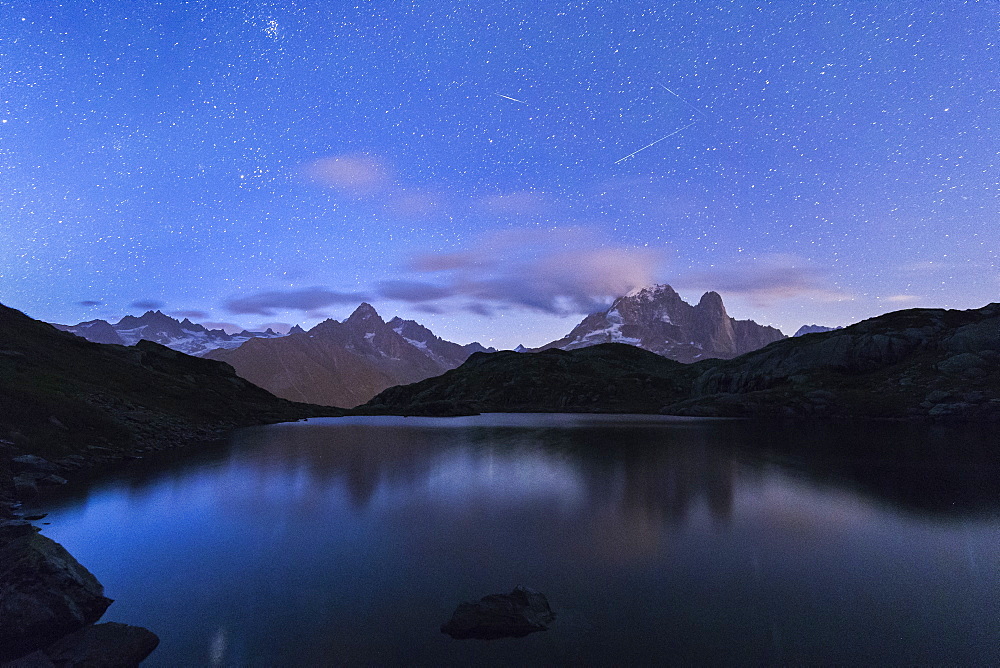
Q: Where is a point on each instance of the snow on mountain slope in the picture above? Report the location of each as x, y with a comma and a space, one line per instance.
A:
184, 336
657, 319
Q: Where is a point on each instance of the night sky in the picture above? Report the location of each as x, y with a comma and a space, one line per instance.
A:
494, 170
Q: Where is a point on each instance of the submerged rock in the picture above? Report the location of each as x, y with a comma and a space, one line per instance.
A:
512, 615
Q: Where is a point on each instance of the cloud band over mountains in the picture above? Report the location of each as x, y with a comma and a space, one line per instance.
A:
303, 299
557, 271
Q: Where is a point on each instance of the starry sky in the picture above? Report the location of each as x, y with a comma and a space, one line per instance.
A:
495, 170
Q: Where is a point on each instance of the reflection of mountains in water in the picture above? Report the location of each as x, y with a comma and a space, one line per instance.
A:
662, 472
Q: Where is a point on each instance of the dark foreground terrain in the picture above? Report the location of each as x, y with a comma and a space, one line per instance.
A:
913, 364
68, 405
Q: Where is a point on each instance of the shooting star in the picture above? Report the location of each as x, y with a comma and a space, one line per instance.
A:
683, 100
655, 142
512, 98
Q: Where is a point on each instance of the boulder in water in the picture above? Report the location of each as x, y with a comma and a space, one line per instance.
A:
512, 615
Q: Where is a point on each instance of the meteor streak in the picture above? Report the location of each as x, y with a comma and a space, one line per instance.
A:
683, 100
512, 98
655, 142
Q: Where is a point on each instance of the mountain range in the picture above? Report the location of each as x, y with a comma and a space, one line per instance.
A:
183, 335
918, 363
656, 319
345, 363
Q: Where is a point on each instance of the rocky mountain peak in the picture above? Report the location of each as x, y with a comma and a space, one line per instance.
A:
653, 292
712, 301
657, 319
364, 313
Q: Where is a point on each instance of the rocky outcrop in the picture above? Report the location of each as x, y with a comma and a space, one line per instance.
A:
914, 363
345, 363
44, 592
658, 320
108, 644
48, 600
512, 615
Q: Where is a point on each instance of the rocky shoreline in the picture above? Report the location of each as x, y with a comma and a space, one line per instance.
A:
49, 603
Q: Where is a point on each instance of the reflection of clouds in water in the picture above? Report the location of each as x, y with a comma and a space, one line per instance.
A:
619, 536
618, 488
507, 476
794, 508
217, 648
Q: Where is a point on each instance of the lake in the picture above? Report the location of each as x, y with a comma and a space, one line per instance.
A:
349, 541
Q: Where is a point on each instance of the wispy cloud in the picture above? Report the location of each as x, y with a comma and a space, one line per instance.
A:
517, 203
559, 271
903, 299
189, 314
353, 174
147, 304
412, 291
304, 299
767, 280
89, 302
925, 267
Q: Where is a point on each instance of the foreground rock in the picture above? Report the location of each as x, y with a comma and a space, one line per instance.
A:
44, 592
512, 615
48, 601
108, 644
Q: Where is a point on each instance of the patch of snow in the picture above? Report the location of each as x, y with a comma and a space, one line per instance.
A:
416, 344
131, 336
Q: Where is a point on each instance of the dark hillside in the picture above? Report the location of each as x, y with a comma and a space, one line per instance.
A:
918, 363
610, 377
61, 394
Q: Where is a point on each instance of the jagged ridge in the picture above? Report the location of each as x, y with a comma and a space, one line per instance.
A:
183, 335
346, 363
657, 319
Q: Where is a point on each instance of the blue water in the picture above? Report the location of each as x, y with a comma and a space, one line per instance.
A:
692, 542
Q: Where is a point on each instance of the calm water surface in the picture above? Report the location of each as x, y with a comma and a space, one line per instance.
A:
350, 541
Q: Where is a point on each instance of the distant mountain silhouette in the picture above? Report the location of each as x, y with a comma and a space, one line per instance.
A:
813, 329
345, 363
183, 335
657, 319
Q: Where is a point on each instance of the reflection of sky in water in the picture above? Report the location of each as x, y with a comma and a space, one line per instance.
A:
339, 541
